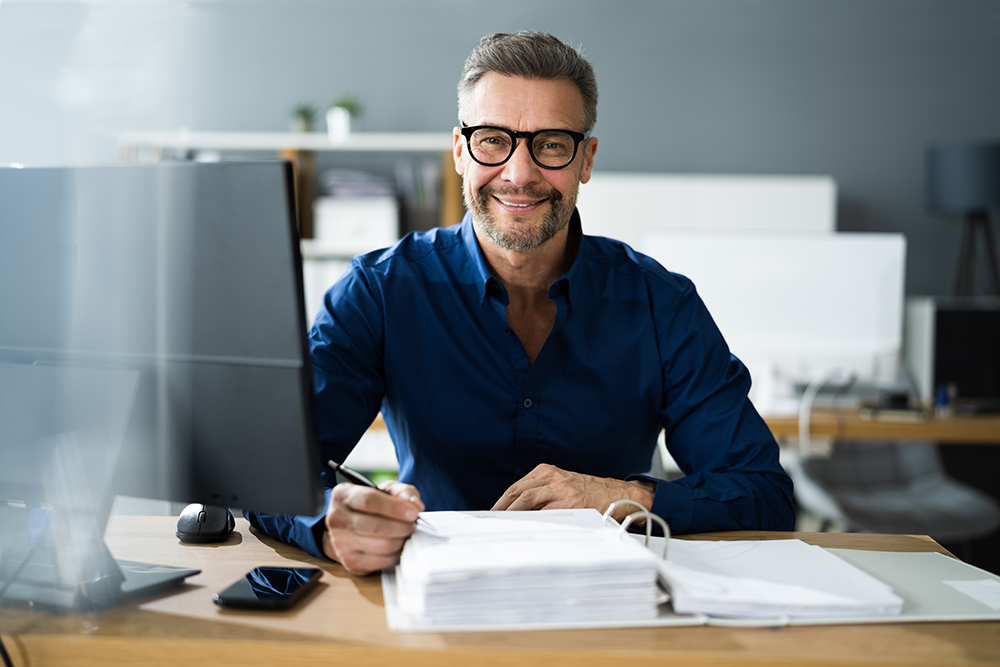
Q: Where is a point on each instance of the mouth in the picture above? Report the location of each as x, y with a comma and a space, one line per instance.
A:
519, 206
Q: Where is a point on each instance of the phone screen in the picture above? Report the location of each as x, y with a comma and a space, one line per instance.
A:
269, 587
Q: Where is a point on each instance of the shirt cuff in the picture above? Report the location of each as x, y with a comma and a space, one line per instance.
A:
672, 503
302, 531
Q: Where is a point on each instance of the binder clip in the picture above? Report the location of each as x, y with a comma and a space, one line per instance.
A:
644, 513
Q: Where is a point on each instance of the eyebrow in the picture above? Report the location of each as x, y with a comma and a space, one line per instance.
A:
543, 129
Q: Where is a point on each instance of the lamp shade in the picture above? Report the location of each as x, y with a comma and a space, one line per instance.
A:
963, 178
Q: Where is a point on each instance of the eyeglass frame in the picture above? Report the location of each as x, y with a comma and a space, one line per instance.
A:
529, 138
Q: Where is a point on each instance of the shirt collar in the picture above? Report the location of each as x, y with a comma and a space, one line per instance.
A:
481, 272
485, 278
570, 282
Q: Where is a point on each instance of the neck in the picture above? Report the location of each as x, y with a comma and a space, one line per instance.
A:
529, 274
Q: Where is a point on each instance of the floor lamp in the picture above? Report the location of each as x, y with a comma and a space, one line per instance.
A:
965, 179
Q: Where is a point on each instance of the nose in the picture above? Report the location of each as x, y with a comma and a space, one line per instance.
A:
520, 170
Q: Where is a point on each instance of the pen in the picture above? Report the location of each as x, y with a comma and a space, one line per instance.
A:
355, 477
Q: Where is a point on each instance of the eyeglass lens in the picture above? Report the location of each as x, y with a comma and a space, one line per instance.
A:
492, 146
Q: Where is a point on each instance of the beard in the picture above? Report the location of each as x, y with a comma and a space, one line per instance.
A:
520, 238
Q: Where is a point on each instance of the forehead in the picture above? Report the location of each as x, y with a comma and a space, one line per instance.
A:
525, 104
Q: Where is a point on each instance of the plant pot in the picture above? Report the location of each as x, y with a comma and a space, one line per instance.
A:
338, 124
299, 124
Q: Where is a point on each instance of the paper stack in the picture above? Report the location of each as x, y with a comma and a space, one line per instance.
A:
510, 568
771, 579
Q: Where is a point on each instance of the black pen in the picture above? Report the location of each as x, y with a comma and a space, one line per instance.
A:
355, 477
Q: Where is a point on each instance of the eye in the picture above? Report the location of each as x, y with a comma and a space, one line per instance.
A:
554, 144
491, 143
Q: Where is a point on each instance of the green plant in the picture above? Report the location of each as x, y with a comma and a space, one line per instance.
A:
348, 102
305, 112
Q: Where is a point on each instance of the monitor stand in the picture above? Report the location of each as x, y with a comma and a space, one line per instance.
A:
53, 578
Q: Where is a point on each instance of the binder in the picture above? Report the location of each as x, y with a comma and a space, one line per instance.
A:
927, 586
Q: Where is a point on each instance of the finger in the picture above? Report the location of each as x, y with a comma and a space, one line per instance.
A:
382, 547
537, 498
401, 490
533, 498
515, 491
365, 500
359, 555
377, 526
365, 564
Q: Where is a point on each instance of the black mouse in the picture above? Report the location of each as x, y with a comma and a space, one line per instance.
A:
201, 524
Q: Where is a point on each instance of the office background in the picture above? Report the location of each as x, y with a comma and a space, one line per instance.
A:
855, 89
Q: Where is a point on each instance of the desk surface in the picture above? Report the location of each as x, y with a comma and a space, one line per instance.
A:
344, 623
847, 425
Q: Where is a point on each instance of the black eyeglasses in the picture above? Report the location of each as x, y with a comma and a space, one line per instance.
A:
550, 149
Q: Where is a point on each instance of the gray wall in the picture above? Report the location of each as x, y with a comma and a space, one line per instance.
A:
852, 88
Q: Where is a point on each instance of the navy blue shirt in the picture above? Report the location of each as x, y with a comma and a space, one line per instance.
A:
419, 332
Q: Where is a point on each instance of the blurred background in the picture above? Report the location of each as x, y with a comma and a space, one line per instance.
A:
853, 89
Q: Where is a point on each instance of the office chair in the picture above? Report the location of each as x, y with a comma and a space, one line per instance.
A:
893, 487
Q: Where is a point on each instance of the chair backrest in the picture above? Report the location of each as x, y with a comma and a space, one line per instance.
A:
861, 466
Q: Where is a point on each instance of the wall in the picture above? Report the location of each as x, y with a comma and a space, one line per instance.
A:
852, 88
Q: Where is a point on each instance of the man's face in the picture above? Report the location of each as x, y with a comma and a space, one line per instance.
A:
519, 205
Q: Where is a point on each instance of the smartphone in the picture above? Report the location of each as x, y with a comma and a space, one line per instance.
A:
270, 588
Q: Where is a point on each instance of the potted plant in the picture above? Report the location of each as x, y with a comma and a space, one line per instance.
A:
302, 118
338, 117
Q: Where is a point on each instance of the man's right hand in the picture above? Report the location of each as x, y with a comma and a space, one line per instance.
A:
366, 529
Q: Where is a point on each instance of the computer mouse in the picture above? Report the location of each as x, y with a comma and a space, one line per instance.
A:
201, 524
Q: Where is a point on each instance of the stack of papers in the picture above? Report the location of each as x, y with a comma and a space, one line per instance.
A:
561, 566
560, 571
771, 579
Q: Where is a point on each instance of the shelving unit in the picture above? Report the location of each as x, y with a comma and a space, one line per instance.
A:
300, 149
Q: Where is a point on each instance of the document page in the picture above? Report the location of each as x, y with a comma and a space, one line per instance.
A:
770, 579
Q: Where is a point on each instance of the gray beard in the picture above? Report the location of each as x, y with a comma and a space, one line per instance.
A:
519, 240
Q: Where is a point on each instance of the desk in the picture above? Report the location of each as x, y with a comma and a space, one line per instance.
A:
344, 623
846, 425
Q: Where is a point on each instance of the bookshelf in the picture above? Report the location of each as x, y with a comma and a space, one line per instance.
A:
300, 149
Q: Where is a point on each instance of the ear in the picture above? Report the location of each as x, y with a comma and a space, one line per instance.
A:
456, 150
588, 159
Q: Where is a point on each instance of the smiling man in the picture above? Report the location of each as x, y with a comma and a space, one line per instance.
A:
519, 363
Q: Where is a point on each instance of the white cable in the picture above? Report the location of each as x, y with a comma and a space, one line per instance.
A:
805, 410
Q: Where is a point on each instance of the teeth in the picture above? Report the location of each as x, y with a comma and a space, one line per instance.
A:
509, 203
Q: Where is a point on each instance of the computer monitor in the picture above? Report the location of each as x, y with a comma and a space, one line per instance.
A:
797, 307
153, 344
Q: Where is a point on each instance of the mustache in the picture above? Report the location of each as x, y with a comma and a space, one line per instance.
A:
552, 195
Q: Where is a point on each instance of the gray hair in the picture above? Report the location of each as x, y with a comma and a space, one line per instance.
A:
530, 54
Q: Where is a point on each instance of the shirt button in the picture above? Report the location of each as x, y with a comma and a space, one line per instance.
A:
527, 403
509, 331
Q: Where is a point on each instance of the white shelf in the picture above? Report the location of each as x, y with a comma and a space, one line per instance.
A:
312, 141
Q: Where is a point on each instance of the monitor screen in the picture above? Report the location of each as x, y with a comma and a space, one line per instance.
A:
797, 307
163, 303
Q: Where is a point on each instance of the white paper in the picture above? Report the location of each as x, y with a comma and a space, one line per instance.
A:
986, 591
517, 567
773, 578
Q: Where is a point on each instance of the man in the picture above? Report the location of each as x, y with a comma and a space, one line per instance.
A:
520, 364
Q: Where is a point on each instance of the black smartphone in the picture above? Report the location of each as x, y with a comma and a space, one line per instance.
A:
270, 588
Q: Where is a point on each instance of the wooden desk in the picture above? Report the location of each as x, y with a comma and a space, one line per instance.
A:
343, 623
846, 425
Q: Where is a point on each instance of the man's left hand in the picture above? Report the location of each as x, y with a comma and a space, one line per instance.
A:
549, 487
